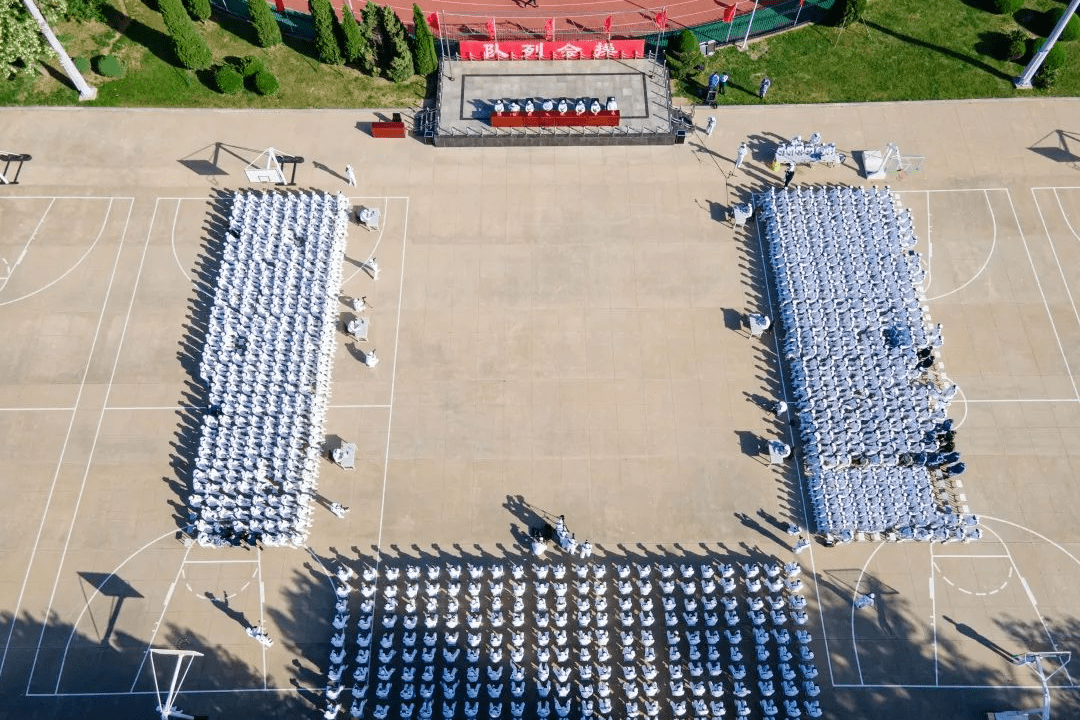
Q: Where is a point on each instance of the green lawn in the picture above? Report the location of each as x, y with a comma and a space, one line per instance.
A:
153, 78
905, 50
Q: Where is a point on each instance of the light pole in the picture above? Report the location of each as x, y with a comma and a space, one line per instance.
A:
86, 92
1024, 81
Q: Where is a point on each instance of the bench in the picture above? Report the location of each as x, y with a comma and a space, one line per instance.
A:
390, 129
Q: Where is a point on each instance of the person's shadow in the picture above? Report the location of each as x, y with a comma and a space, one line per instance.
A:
970, 632
222, 604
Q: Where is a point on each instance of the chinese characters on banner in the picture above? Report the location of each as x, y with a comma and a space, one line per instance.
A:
570, 50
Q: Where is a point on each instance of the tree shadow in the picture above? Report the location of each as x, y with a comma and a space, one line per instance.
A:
157, 42
949, 52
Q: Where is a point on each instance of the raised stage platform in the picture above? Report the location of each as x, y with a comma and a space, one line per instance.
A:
468, 89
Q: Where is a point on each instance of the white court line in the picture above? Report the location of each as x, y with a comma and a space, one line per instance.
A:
963, 397
67, 197
262, 606
1031, 596
97, 591
929, 249
989, 255
93, 447
1053, 248
950, 190
897, 686
291, 689
139, 408
1025, 400
63, 447
220, 562
390, 414
393, 381
172, 241
933, 614
36, 409
382, 228
105, 221
1046, 305
12, 268
966, 557
854, 595
798, 472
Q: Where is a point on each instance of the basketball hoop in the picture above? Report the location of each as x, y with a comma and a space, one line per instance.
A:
265, 168
184, 658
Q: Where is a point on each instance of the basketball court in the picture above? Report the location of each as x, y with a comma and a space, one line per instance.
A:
559, 333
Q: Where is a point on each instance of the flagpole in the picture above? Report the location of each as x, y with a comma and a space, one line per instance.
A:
798, 12
749, 25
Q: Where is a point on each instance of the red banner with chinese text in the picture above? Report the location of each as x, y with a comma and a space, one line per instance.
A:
574, 50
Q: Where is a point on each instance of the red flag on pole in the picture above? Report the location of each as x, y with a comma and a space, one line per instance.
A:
491, 28
549, 29
729, 12
607, 27
661, 19
433, 22
280, 5
802, 2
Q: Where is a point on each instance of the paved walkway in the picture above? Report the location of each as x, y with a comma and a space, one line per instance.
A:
559, 332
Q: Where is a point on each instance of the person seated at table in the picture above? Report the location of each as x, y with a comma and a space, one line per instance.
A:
529, 107
548, 105
595, 107
563, 106
612, 106
499, 106
514, 107
579, 108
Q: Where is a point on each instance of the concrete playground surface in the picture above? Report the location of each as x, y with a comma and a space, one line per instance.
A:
560, 333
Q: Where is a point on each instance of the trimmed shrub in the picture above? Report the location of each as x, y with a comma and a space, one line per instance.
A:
326, 42
1004, 7
249, 65
425, 60
81, 64
400, 68
108, 66
1017, 45
1072, 28
191, 48
684, 55
267, 31
83, 10
266, 83
1047, 73
228, 80
198, 9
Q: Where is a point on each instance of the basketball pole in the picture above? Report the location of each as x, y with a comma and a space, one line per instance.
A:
166, 707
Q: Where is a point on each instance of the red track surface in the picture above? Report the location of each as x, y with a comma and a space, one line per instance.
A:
573, 18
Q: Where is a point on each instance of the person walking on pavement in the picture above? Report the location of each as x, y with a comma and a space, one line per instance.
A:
789, 174
740, 155
765, 84
350, 176
724, 77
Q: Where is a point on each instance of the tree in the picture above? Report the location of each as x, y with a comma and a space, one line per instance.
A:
326, 42
371, 27
190, 46
22, 46
199, 9
845, 12
424, 57
391, 23
684, 55
353, 40
401, 61
267, 31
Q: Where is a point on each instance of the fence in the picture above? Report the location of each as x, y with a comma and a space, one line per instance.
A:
708, 25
